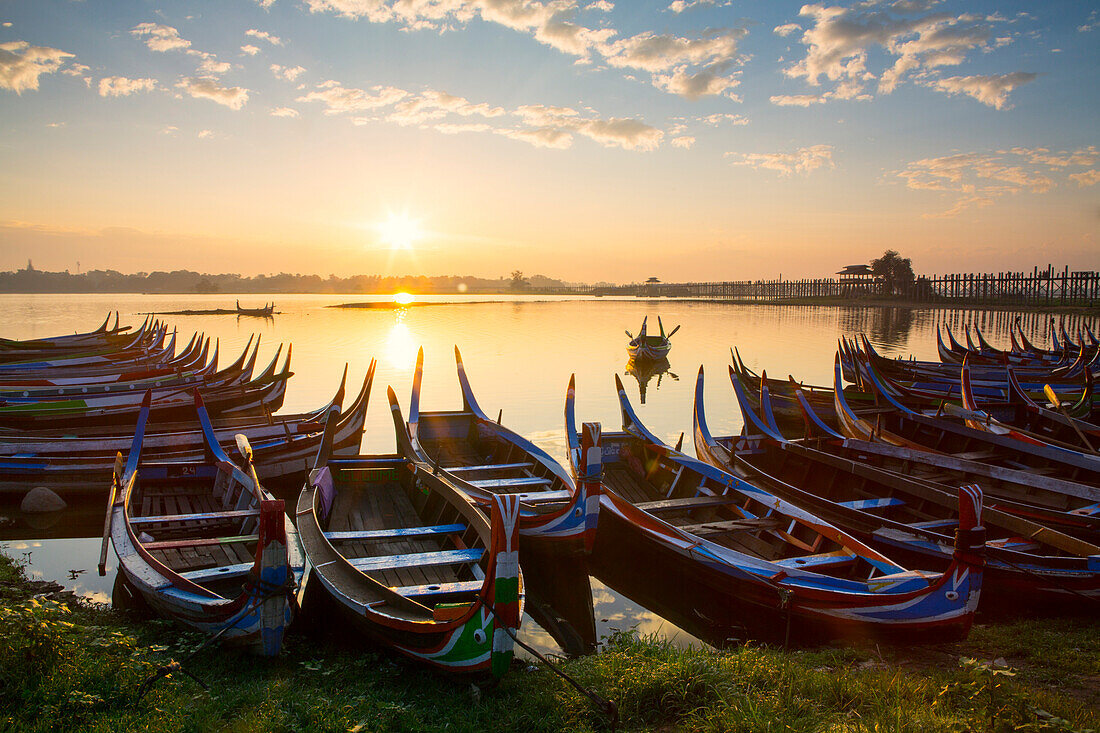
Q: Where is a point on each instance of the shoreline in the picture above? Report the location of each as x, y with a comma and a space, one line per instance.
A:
91, 666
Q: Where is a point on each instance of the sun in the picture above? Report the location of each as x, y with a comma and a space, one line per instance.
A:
400, 231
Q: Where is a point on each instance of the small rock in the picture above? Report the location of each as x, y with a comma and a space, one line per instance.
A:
40, 500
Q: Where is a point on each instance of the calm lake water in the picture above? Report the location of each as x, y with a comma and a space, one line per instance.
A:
519, 353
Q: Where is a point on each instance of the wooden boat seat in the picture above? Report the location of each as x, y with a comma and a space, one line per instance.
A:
189, 518
935, 524
199, 542
418, 559
508, 483
544, 497
489, 467
976, 455
389, 534
751, 524
880, 503
439, 589
691, 502
826, 559
224, 572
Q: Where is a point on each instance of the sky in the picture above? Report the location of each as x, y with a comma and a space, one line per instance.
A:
587, 140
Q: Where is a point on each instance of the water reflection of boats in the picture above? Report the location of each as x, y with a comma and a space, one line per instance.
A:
645, 369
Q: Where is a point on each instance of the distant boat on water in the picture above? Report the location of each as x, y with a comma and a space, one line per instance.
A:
650, 348
266, 312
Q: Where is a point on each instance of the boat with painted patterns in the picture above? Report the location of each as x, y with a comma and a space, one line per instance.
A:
1028, 565
484, 458
412, 562
186, 544
762, 563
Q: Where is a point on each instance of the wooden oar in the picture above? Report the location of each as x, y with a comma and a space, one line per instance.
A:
116, 484
245, 449
672, 332
1073, 423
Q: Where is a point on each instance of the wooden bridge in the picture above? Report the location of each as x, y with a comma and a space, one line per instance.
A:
1038, 287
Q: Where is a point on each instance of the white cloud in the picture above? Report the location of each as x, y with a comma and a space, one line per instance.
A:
991, 90
684, 141
541, 125
205, 134
75, 69
624, 133
265, 4
339, 100
205, 88
842, 41
160, 37
264, 35
211, 65
21, 64
120, 86
725, 118
250, 50
803, 160
786, 29
288, 73
1091, 24
689, 66
55, 125
1086, 178
7, 24
798, 100
284, 112
540, 137
979, 178
603, 6
169, 130
679, 6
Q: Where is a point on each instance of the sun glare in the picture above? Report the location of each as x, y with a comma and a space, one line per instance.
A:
400, 231
402, 298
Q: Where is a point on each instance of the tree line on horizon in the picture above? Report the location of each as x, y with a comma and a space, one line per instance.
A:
31, 280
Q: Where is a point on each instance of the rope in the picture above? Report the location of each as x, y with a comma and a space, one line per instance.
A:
607, 707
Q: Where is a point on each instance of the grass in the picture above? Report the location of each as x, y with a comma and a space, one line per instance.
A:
83, 668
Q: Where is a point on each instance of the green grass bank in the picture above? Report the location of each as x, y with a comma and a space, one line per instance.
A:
66, 666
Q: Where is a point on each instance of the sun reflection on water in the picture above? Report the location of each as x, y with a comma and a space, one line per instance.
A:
400, 347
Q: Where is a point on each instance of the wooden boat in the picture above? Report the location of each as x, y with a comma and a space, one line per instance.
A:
186, 543
412, 562
238, 396
776, 569
105, 335
650, 347
1062, 482
144, 347
266, 312
283, 449
1027, 564
483, 458
1025, 420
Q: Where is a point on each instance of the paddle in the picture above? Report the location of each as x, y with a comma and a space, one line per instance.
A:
672, 332
116, 486
1049, 392
246, 452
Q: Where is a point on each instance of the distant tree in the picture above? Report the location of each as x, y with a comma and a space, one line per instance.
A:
895, 271
205, 285
519, 282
